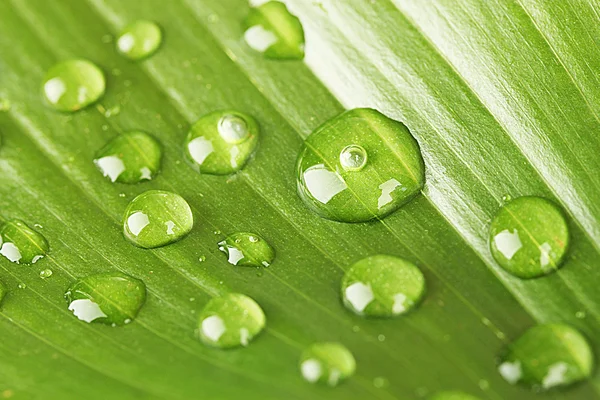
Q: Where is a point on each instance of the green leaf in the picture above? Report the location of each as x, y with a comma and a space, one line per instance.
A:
501, 96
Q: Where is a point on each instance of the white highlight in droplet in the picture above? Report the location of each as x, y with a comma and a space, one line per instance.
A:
511, 372
311, 370
233, 153
86, 310
10, 251
387, 188
399, 307
323, 184
234, 255
244, 336
136, 222
111, 166
200, 148
556, 375
126, 42
213, 327
508, 243
259, 39
170, 226
359, 295
545, 250
145, 173
334, 377
37, 258
54, 89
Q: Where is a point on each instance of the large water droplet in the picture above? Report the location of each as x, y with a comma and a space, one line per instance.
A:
359, 166
130, 158
21, 244
156, 218
247, 250
548, 356
109, 298
231, 320
382, 286
74, 84
139, 39
328, 363
273, 31
529, 237
452, 396
221, 142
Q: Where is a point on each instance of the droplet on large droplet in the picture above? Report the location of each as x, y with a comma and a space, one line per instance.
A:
328, 363
247, 250
547, 356
452, 396
382, 286
529, 237
74, 84
139, 39
130, 158
359, 166
230, 320
221, 143
21, 244
110, 298
156, 218
273, 31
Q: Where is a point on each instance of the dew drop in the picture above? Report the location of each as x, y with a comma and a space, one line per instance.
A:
139, 40
21, 244
273, 31
130, 158
231, 320
46, 273
336, 181
221, 143
529, 237
547, 356
327, 363
5, 105
156, 218
247, 250
452, 396
110, 298
382, 286
74, 84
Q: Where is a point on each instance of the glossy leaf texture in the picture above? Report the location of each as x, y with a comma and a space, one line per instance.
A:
501, 95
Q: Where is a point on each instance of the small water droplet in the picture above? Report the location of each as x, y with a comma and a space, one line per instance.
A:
74, 84
4, 105
529, 237
221, 143
453, 395
547, 356
580, 314
139, 39
131, 157
380, 382
110, 298
382, 286
22, 286
484, 384
248, 250
45, 273
21, 244
213, 18
356, 328
231, 320
202, 258
156, 218
381, 338
273, 31
112, 111
366, 190
327, 363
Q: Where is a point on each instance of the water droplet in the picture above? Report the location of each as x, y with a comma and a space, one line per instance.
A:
231, 320
529, 237
21, 244
115, 110
393, 175
382, 286
547, 356
580, 314
45, 273
328, 363
130, 158
111, 298
381, 338
220, 143
139, 40
22, 286
202, 258
380, 382
156, 218
74, 84
273, 31
4, 105
247, 250
452, 396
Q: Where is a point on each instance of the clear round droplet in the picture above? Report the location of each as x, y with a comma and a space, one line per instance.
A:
393, 175
222, 142
139, 39
529, 237
273, 31
382, 286
353, 157
21, 244
156, 218
547, 356
245, 249
111, 298
46, 273
72, 85
131, 157
328, 363
231, 320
